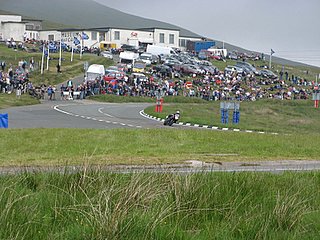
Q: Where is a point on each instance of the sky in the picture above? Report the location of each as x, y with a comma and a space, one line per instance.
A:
289, 27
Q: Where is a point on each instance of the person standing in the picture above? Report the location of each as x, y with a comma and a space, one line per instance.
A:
58, 68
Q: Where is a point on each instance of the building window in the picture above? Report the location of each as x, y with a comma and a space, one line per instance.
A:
101, 36
94, 36
171, 38
51, 37
29, 27
116, 35
161, 38
182, 43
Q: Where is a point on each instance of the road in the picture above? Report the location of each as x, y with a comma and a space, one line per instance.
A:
80, 114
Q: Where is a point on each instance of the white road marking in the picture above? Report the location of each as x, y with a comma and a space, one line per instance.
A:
106, 114
94, 119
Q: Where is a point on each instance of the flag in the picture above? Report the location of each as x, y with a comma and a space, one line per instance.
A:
76, 41
84, 36
52, 46
272, 52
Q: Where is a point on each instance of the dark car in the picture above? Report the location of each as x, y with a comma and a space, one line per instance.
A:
126, 47
268, 74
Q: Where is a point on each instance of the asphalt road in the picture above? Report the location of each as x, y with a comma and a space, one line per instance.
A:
80, 114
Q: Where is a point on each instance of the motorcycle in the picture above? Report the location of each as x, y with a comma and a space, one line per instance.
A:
172, 118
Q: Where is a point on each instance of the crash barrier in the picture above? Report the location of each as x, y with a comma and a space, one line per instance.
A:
224, 108
159, 104
4, 120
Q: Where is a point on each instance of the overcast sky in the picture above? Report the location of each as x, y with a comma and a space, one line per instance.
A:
289, 27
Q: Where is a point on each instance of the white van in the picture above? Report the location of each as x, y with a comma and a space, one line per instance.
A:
160, 50
146, 58
128, 58
95, 71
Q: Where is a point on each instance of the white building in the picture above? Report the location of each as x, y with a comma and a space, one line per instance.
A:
14, 27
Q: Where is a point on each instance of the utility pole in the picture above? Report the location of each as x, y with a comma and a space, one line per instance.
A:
271, 52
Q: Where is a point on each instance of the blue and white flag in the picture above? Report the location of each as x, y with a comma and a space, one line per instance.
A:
76, 41
52, 46
84, 36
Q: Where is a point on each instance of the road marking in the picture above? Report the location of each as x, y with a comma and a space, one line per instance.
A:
106, 114
56, 107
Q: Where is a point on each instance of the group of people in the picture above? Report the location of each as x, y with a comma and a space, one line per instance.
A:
218, 86
14, 79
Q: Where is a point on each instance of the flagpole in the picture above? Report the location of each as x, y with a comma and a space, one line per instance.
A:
60, 49
81, 45
270, 59
71, 52
42, 59
48, 57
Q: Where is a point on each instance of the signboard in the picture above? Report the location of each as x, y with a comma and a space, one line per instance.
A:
68, 37
230, 105
4, 120
225, 106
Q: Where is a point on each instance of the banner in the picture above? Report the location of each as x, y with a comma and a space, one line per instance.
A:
4, 120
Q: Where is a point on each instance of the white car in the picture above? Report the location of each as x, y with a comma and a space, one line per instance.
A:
106, 54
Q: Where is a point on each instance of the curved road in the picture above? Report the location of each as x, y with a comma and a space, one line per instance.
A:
80, 114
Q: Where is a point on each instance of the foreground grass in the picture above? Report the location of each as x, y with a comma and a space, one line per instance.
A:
10, 100
97, 205
124, 146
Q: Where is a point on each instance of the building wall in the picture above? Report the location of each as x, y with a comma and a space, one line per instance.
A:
166, 34
33, 25
44, 35
183, 42
10, 18
8, 29
13, 30
32, 35
128, 36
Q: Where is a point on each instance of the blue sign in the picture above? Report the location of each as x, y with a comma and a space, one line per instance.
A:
4, 120
236, 117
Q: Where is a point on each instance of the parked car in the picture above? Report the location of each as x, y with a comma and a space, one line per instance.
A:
107, 54
268, 74
126, 47
231, 69
139, 67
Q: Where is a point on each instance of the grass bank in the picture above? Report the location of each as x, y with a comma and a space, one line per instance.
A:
51, 77
97, 205
298, 116
127, 99
124, 146
10, 100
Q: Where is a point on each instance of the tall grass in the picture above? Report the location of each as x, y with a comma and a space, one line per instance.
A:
91, 204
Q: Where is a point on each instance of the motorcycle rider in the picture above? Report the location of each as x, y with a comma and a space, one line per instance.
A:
172, 118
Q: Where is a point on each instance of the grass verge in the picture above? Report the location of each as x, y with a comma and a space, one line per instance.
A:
124, 146
289, 117
10, 100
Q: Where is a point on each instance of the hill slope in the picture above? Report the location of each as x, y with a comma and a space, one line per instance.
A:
84, 13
